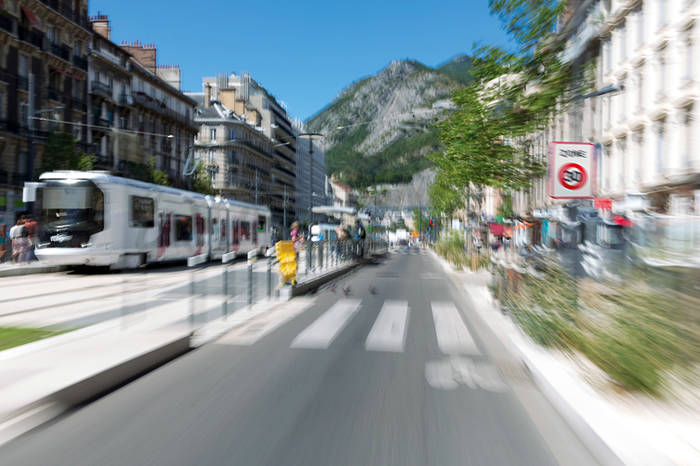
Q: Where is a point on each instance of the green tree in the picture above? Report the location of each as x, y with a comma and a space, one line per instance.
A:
61, 154
157, 176
201, 182
445, 197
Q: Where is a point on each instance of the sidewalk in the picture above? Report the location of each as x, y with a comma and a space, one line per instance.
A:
638, 430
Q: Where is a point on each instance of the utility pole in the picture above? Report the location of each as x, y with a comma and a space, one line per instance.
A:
311, 176
284, 214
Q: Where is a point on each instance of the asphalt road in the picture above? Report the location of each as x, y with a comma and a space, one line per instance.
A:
390, 367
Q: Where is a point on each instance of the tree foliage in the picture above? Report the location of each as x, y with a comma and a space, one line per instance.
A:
201, 182
515, 94
445, 197
62, 154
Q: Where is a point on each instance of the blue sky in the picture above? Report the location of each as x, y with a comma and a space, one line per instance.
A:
303, 51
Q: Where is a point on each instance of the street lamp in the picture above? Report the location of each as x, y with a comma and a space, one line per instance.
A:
310, 137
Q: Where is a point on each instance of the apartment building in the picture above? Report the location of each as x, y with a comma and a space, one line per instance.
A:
254, 104
236, 155
312, 186
43, 66
137, 111
642, 114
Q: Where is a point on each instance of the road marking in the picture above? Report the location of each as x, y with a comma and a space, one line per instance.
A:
448, 374
430, 276
452, 334
321, 333
389, 330
251, 332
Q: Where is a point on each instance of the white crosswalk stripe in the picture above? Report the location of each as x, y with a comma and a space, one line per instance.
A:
389, 330
452, 333
321, 333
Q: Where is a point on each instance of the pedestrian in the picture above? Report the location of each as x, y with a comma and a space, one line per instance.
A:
295, 234
4, 237
18, 235
33, 237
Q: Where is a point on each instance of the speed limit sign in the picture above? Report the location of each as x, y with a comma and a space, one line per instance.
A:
571, 166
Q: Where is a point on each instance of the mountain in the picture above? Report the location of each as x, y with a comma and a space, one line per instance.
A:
379, 128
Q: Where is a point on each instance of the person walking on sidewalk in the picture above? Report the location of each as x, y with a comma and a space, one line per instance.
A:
33, 237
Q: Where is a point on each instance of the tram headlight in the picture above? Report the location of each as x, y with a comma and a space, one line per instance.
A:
86, 245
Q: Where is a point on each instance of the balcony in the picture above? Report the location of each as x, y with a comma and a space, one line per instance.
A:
61, 51
36, 38
80, 62
102, 89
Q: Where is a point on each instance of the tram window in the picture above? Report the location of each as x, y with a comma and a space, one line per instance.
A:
183, 228
236, 231
142, 212
245, 231
223, 229
261, 224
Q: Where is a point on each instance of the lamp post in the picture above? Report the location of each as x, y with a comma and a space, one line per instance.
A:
310, 137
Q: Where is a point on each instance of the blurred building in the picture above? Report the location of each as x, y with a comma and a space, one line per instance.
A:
236, 154
642, 116
255, 105
43, 66
312, 184
137, 111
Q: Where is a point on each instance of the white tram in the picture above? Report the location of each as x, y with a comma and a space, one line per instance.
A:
94, 218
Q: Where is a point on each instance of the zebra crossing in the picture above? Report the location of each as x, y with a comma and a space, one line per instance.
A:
387, 334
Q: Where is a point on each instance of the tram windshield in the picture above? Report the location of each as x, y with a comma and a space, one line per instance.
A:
71, 211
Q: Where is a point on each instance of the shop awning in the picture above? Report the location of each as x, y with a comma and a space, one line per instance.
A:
30, 16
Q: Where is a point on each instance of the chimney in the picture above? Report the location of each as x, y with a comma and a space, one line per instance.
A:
207, 95
144, 54
100, 24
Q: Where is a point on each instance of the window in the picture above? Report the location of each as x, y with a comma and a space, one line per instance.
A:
261, 223
689, 55
245, 231
183, 228
236, 232
660, 147
2, 104
623, 43
212, 134
688, 129
640, 91
24, 113
662, 13
23, 66
640, 26
223, 229
142, 212
231, 134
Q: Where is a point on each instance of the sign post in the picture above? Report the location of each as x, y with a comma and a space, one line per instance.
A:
571, 170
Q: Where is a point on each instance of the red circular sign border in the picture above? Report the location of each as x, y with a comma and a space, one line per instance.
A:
563, 170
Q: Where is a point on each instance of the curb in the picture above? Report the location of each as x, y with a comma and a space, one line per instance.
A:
29, 270
313, 284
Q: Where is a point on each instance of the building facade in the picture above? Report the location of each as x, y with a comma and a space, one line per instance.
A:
255, 105
43, 70
136, 112
643, 115
312, 186
236, 155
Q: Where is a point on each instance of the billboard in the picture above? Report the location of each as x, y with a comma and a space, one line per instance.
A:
571, 170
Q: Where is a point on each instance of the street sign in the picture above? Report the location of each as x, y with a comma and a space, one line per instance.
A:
571, 170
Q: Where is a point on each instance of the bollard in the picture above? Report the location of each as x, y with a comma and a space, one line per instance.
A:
224, 306
250, 284
320, 256
269, 277
192, 298
308, 258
